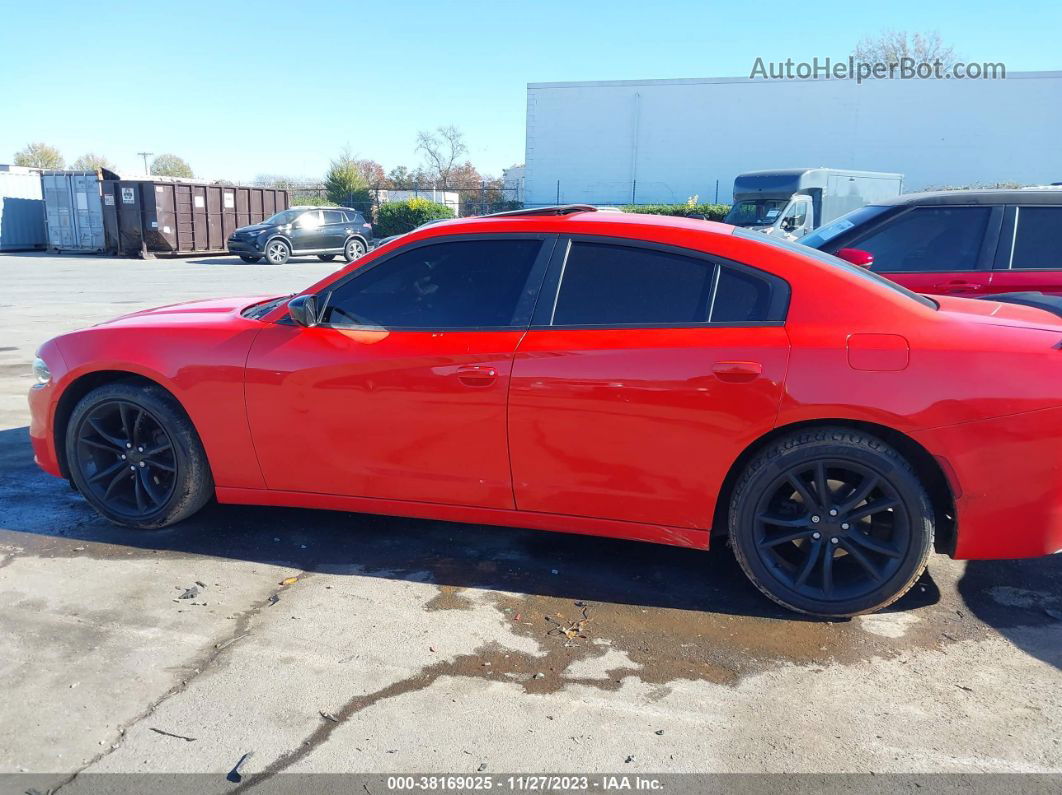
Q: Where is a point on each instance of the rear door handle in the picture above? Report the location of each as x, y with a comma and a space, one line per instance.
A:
737, 371
956, 285
477, 374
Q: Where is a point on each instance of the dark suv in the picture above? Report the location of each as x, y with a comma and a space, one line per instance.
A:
961, 242
324, 231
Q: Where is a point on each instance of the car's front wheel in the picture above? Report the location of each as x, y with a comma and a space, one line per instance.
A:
277, 252
832, 522
353, 250
135, 456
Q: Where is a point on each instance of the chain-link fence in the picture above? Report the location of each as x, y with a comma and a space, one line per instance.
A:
462, 199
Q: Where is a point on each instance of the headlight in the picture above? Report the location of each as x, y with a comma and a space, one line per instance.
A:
41, 371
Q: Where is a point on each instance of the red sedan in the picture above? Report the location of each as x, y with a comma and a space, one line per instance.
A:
612, 374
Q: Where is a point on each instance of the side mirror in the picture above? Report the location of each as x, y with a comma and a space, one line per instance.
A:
857, 256
303, 310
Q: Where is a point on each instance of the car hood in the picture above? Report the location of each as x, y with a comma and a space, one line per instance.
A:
999, 313
208, 310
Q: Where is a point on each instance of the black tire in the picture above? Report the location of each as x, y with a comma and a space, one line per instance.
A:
140, 426
245, 258
843, 554
277, 252
326, 257
354, 249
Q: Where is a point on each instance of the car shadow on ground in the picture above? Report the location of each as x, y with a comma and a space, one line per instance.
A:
446, 554
223, 259
1021, 599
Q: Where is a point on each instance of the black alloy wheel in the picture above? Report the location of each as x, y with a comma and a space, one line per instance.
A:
134, 455
832, 523
831, 530
126, 458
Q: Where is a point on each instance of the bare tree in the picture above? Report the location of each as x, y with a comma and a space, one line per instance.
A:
890, 46
443, 150
39, 155
90, 161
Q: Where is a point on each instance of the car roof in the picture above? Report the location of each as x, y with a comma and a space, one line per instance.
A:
557, 219
1039, 195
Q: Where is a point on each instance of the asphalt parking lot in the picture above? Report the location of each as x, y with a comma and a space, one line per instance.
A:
426, 646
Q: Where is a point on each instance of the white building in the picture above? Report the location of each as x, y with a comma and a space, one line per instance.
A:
513, 183
643, 141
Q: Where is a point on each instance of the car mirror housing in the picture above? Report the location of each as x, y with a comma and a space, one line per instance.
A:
857, 256
303, 310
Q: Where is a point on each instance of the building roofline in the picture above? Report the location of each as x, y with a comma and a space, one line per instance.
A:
680, 81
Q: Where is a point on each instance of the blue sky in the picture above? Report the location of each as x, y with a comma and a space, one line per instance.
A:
240, 89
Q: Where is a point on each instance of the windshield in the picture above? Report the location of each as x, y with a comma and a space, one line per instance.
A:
755, 212
829, 259
286, 217
825, 234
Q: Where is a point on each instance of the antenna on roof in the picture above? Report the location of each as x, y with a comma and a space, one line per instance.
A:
557, 209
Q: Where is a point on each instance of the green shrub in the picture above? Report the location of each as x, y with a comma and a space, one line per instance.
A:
713, 212
396, 218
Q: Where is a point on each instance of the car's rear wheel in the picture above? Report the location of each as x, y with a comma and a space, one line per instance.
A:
277, 252
354, 249
326, 257
246, 258
832, 522
135, 456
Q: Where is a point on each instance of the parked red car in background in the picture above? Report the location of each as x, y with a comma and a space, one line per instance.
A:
959, 242
612, 374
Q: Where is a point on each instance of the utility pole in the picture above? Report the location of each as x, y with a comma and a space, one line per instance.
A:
145, 155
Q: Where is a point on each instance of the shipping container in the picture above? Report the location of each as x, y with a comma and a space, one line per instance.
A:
73, 211
154, 216
21, 209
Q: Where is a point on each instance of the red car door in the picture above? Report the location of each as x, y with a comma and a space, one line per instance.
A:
1030, 251
944, 250
640, 383
400, 392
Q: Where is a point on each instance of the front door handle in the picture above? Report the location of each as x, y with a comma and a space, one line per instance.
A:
735, 372
477, 375
959, 285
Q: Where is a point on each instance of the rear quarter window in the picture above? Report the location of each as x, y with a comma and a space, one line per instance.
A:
605, 284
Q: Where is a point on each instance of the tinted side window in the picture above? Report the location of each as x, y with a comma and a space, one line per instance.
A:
740, 297
608, 284
928, 239
334, 217
612, 284
1038, 242
462, 284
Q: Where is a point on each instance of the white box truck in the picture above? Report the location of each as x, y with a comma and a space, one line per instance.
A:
792, 202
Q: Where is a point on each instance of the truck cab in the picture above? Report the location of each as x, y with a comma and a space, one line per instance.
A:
791, 203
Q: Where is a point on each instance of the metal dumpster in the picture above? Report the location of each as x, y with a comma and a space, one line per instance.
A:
170, 216
21, 209
74, 211
149, 216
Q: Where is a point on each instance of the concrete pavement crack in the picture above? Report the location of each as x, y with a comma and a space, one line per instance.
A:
199, 665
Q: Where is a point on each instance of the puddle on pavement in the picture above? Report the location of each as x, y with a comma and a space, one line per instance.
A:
665, 644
